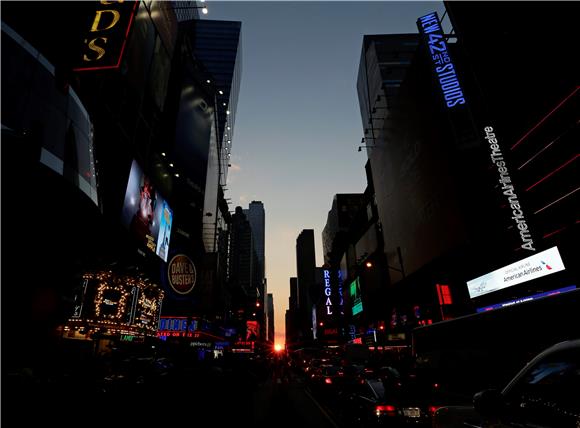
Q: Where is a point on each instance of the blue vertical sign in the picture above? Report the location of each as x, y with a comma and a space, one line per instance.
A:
327, 292
430, 26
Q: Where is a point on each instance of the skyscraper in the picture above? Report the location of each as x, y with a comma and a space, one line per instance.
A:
270, 309
305, 269
256, 216
241, 257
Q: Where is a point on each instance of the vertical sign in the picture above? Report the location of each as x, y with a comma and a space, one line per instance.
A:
327, 292
106, 36
430, 26
79, 299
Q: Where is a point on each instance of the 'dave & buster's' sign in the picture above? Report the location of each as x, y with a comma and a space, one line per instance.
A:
181, 274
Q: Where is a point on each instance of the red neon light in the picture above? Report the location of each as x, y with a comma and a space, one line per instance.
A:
553, 172
127, 33
558, 200
533, 157
547, 235
544, 118
443, 294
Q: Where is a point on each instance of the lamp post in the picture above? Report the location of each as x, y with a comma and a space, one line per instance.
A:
191, 6
363, 141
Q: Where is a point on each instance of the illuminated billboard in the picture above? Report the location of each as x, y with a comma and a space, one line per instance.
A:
430, 27
106, 36
541, 264
355, 297
146, 214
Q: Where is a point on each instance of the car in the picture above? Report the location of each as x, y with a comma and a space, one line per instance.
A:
545, 393
405, 401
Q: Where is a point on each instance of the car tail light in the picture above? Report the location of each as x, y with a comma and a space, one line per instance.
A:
433, 409
385, 409
328, 380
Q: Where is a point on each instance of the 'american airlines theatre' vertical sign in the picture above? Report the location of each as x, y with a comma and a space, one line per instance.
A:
106, 37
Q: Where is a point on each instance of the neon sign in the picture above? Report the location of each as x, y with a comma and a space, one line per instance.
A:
527, 299
105, 42
327, 292
430, 26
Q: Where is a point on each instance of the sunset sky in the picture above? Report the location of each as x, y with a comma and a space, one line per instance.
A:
298, 121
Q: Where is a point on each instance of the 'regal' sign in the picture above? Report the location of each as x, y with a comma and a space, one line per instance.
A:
106, 36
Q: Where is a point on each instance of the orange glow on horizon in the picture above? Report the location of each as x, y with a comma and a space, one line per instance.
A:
278, 347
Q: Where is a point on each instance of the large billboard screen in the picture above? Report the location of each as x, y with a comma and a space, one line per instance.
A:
146, 214
355, 297
536, 266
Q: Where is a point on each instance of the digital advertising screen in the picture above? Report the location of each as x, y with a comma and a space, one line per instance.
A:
146, 214
355, 297
541, 264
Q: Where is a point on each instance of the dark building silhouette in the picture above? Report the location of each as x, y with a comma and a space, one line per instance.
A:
305, 268
292, 331
270, 308
432, 126
79, 127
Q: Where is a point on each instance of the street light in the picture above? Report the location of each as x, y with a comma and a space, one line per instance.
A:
363, 141
203, 8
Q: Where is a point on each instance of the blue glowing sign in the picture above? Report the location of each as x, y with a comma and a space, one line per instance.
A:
327, 292
430, 26
527, 298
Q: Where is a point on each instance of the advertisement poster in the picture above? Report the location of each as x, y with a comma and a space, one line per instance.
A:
146, 214
541, 264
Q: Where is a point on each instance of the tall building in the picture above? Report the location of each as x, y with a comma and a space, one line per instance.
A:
335, 235
126, 139
465, 177
225, 69
292, 333
186, 10
536, 134
382, 68
305, 270
270, 308
257, 218
242, 257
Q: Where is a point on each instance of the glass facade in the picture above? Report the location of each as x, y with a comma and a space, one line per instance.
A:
218, 45
33, 103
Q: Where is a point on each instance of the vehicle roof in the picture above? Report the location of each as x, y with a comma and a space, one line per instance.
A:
556, 348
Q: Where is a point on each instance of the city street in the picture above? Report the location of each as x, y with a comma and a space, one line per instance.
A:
207, 393
327, 214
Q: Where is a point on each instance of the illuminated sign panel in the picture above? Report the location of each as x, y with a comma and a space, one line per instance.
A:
327, 292
177, 326
355, 297
527, 298
508, 189
146, 214
430, 26
541, 264
106, 37
181, 274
